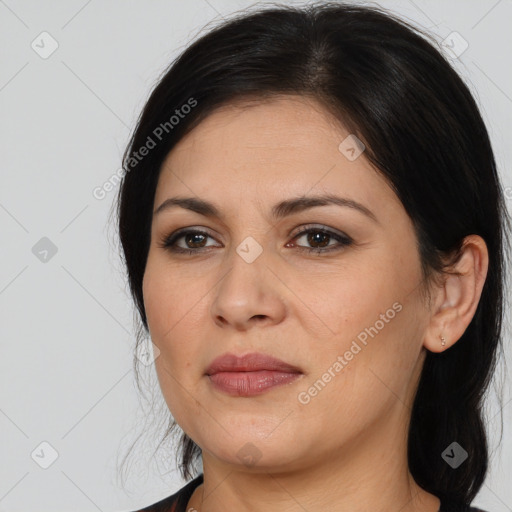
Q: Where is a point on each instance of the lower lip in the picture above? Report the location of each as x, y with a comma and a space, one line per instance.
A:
250, 383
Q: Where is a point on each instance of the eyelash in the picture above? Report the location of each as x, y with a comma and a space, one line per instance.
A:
169, 242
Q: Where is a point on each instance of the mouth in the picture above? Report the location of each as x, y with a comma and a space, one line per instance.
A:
251, 374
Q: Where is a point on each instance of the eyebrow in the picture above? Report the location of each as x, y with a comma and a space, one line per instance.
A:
280, 210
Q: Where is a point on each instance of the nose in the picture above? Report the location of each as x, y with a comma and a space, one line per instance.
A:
249, 293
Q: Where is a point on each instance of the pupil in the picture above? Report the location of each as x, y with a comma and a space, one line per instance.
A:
190, 239
314, 238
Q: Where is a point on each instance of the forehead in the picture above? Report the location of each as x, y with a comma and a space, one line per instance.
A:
285, 125
286, 146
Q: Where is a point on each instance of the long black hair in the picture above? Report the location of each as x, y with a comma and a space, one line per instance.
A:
391, 87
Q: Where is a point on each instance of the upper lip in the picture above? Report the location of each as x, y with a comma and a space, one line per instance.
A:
249, 363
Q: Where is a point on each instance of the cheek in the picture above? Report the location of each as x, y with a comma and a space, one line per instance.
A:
179, 392
167, 299
349, 299
374, 318
354, 383
172, 313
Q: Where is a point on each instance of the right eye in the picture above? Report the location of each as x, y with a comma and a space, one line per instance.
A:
194, 241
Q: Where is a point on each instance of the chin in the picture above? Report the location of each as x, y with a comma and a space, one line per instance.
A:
252, 451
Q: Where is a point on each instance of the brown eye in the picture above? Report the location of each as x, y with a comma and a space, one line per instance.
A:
194, 241
319, 239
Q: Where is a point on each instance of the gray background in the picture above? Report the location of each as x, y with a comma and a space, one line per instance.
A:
66, 326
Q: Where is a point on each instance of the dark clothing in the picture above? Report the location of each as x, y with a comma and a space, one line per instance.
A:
178, 501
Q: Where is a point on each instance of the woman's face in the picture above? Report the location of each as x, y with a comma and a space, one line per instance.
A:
351, 319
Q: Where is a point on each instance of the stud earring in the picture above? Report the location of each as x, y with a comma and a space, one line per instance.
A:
443, 341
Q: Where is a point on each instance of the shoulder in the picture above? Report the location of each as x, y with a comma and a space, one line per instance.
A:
177, 502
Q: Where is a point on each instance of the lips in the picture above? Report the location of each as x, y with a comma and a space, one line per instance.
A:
249, 363
251, 374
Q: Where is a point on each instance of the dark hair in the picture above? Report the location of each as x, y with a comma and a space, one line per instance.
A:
384, 82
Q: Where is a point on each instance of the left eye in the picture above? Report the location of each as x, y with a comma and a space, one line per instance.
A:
315, 236
320, 238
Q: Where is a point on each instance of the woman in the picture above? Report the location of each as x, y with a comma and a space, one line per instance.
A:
314, 233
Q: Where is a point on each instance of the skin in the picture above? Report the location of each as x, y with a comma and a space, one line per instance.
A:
346, 448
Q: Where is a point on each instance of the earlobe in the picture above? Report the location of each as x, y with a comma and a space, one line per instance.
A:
458, 296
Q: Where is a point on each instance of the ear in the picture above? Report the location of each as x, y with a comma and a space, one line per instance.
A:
457, 299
